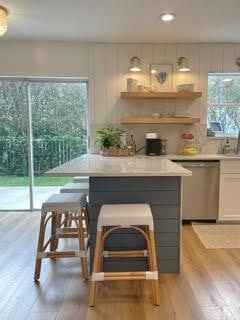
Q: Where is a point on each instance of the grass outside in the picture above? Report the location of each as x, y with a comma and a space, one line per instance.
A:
14, 181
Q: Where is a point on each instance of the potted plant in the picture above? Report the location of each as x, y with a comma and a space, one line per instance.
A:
110, 139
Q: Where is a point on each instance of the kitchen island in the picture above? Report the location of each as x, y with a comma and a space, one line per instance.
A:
137, 179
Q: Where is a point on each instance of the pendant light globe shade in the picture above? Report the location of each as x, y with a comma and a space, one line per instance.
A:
135, 64
3, 20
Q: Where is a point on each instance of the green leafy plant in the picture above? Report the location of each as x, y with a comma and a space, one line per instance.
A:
109, 136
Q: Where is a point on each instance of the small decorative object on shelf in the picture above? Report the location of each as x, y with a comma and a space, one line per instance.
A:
161, 77
185, 87
131, 84
112, 142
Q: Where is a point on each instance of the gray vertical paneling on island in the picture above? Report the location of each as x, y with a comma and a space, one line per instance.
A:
163, 194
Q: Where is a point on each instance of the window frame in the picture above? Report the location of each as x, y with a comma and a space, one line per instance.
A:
219, 135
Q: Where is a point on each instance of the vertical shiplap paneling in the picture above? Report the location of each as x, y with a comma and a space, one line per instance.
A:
109, 70
146, 55
159, 57
146, 58
229, 58
135, 50
216, 64
182, 106
205, 66
100, 84
159, 53
193, 107
123, 73
112, 83
183, 51
236, 55
171, 58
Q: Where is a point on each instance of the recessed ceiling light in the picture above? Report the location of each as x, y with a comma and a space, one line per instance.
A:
167, 17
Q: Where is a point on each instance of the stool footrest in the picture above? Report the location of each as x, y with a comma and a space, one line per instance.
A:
138, 275
61, 254
125, 254
68, 233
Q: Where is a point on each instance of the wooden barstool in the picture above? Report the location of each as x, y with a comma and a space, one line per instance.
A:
78, 188
117, 216
53, 209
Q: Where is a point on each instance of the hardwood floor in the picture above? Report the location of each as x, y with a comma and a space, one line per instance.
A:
207, 288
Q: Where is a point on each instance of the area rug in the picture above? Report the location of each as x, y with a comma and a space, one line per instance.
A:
218, 236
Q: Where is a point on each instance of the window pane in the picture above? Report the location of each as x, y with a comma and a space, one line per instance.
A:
59, 125
224, 101
14, 180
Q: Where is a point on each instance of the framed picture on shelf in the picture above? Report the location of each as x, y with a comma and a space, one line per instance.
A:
161, 77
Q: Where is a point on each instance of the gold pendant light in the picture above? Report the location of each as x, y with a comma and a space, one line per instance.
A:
3, 20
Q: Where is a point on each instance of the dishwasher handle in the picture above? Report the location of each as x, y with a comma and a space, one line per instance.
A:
198, 165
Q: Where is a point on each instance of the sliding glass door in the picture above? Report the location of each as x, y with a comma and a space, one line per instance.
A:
59, 130
14, 143
44, 125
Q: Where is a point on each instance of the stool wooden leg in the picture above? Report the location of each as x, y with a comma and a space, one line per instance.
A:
150, 264
86, 216
66, 223
152, 250
82, 247
53, 243
41, 237
96, 266
101, 252
58, 225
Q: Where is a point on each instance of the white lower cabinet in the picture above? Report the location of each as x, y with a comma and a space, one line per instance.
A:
229, 191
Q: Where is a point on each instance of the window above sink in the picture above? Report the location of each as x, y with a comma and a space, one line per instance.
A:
224, 104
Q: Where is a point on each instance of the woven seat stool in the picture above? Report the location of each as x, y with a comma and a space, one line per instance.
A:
71, 206
115, 216
75, 187
81, 179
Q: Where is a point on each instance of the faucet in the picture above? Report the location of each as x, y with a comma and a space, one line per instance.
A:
238, 144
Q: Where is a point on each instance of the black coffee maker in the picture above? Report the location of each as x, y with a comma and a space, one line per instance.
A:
154, 145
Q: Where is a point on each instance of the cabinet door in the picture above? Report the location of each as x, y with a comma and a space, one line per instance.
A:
229, 197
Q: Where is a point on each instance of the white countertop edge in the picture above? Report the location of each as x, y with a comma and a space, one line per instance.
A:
137, 166
203, 157
85, 165
117, 174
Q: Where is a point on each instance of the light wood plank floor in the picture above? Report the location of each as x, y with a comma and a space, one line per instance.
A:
207, 288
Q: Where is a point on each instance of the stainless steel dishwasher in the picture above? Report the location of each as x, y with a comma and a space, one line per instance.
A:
200, 192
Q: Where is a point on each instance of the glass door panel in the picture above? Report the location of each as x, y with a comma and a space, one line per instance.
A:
14, 139
59, 131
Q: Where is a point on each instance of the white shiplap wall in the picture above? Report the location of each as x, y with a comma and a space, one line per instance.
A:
109, 71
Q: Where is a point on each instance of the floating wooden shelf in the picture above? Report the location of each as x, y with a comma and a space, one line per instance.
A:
163, 120
161, 95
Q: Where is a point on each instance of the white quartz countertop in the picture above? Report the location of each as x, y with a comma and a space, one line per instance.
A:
96, 165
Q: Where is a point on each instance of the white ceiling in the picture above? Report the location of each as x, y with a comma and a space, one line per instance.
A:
124, 20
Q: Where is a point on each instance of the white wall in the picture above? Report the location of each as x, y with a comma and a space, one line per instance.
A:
43, 59
106, 66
